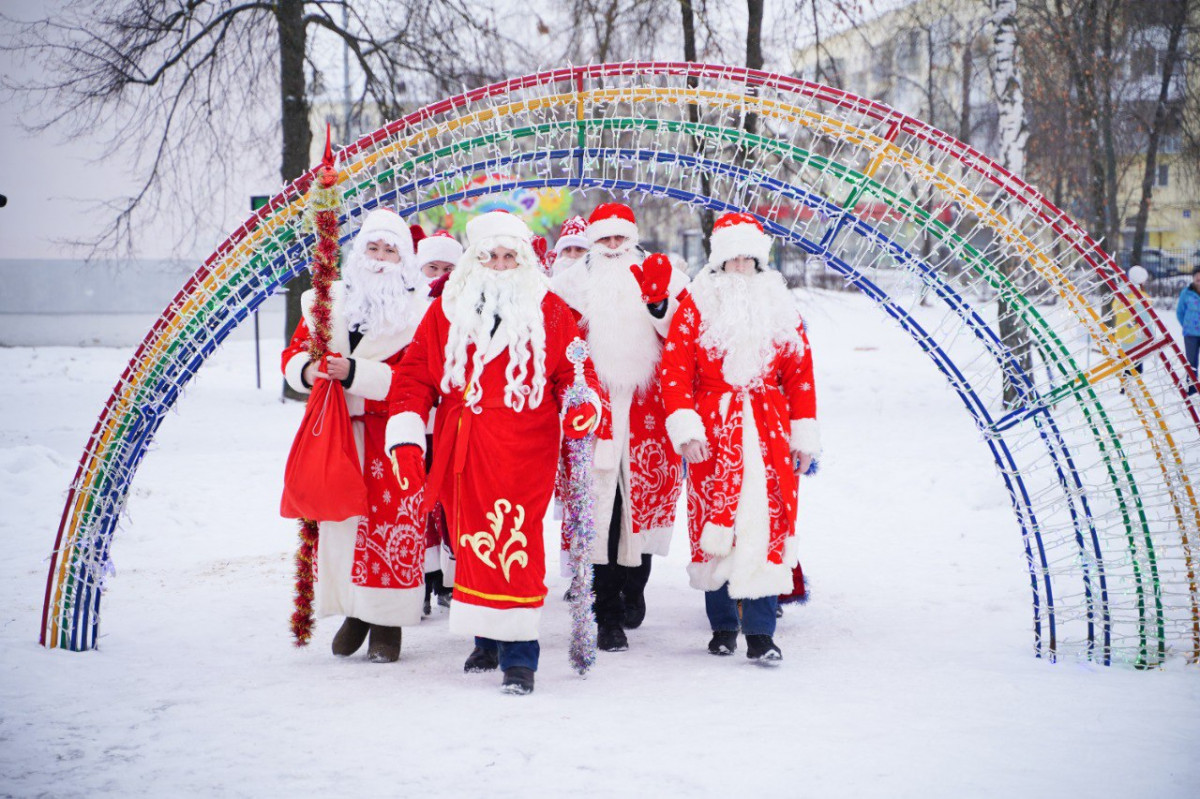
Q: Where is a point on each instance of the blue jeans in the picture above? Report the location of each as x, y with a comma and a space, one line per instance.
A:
1191, 347
513, 653
758, 615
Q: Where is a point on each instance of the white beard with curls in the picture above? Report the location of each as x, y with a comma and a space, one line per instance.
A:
745, 319
379, 297
474, 296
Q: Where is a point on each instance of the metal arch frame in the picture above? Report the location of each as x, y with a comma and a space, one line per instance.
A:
202, 342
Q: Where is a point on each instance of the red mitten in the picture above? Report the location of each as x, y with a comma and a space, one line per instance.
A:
580, 420
408, 465
653, 277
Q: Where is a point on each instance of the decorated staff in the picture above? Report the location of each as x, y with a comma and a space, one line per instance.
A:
370, 548
580, 505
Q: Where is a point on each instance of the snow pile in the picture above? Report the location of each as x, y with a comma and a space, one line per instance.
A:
909, 673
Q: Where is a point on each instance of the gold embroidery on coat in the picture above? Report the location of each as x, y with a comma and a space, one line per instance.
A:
484, 542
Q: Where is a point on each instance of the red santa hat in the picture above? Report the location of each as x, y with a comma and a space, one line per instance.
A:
737, 235
384, 224
573, 234
497, 223
612, 219
441, 246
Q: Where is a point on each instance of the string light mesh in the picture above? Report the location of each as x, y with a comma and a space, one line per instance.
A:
1096, 440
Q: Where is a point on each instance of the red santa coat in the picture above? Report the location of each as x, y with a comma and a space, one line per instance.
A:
742, 499
633, 452
369, 567
493, 470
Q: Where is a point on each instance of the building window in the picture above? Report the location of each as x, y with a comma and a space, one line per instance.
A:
1164, 174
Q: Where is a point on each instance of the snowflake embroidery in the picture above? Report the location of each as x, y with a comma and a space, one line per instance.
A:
650, 422
806, 386
670, 346
374, 509
689, 315
387, 497
377, 469
386, 580
375, 567
685, 330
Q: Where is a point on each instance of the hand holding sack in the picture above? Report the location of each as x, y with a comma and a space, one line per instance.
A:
408, 465
323, 480
653, 277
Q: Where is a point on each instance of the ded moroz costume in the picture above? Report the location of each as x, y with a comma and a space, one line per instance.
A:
737, 378
491, 354
624, 300
369, 567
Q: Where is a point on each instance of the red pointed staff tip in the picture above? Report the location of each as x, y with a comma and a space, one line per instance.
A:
328, 173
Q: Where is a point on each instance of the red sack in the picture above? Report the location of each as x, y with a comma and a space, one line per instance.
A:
323, 480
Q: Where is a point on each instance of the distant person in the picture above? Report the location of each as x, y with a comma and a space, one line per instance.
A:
437, 255
571, 246
1188, 313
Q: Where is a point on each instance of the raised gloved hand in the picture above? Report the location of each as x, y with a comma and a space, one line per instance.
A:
408, 465
653, 277
580, 420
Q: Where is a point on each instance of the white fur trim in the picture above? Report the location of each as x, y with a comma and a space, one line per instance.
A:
405, 428
613, 226
571, 240
438, 248
497, 223
685, 425
335, 594
806, 437
433, 559
293, 371
655, 541
739, 240
372, 379
605, 456
716, 540
384, 224
510, 624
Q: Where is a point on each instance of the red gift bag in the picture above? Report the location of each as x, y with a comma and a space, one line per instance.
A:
323, 480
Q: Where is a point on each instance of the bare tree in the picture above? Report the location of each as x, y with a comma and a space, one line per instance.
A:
175, 83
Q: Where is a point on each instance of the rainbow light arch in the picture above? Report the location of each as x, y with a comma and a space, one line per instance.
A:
1098, 459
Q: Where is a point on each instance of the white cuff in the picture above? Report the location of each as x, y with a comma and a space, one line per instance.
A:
372, 379
294, 371
405, 428
806, 437
685, 425
716, 540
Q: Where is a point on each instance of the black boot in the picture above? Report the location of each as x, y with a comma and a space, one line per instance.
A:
761, 649
724, 642
518, 681
611, 638
635, 610
482, 659
349, 638
385, 644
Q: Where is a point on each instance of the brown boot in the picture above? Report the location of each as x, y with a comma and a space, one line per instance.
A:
385, 644
350, 637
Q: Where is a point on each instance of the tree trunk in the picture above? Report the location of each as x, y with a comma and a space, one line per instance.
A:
754, 54
689, 54
297, 135
1013, 133
1175, 31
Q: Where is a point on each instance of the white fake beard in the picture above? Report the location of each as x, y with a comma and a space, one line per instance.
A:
745, 319
472, 303
380, 303
562, 264
624, 345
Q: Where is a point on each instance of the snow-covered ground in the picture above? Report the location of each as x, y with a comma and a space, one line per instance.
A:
909, 673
